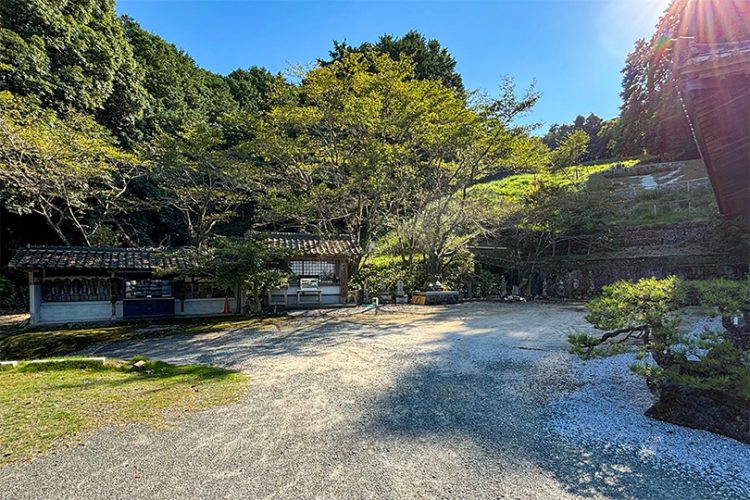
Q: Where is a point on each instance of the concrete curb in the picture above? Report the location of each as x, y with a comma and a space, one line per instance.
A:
63, 360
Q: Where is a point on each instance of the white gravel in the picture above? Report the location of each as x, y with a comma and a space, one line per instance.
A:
607, 412
437, 402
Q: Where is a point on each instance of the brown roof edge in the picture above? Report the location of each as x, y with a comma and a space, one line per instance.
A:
99, 258
311, 244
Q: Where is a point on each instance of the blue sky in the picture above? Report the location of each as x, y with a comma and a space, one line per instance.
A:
573, 49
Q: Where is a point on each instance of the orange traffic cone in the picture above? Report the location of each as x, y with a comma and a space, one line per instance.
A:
226, 305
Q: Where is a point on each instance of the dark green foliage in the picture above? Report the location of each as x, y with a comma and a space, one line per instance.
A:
382, 274
713, 361
69, 171
199, 178
486, 283
604, 136
252, 88
178, 90
725, 297
381, 277
432, 62
13, 297
73, 56
247, 262
652, 116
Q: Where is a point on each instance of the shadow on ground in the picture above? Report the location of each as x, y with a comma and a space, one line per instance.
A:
499, 406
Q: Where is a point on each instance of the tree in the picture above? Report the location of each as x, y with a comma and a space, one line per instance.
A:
367, 145
245, 262
603, 144
652, 116
570, 150
179, 92
67, 171
199, 178
431, 61
610, 139
252, 88
73, 57
702, 380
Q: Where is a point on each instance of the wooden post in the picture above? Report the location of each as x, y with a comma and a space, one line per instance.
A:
113, 295
344, 280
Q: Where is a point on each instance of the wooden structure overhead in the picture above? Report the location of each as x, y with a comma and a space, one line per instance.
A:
714, 78
715, 83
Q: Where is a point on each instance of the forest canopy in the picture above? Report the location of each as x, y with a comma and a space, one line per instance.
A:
111, 135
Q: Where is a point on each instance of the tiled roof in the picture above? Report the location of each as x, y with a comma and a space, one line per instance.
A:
100, 258
315, 246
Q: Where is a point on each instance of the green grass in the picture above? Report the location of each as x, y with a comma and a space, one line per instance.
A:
647, 208
19, 344
46, 406
667, 207
516, 186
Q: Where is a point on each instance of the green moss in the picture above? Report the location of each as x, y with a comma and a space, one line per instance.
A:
48, 405
32, 344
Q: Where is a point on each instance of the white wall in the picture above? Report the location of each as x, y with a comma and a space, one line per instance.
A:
330, 294
100, 311
76, 312
203, 307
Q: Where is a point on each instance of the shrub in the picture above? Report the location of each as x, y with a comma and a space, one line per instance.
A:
382, 274
647, 310
13, 296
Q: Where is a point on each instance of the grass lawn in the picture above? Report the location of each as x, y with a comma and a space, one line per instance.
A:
17, 343
44, 406
514, 187
648, 207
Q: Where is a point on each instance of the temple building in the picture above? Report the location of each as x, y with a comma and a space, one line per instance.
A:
712, 63
100, 284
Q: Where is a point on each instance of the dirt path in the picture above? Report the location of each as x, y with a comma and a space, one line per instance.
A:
451, 403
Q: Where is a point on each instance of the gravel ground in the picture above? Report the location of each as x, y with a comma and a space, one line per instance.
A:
456, 402
607, 412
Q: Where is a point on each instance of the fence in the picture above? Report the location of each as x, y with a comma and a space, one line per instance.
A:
689, 186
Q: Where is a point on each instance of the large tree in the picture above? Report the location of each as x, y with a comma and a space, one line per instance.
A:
653, 119
252, 88
179, 91
431, 60
73, 56
366, 145
603, 140
199, 177
67, 171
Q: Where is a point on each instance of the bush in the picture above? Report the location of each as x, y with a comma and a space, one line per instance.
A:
710, 361
13, 296
702, 380
382, 274
627, 304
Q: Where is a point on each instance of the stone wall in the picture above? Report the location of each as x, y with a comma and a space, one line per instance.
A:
585, 278
690, 250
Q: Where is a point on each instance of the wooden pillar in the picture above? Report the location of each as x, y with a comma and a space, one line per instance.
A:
113, 295
344, 280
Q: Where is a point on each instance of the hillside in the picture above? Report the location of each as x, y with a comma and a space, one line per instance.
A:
643, 193
609, 221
